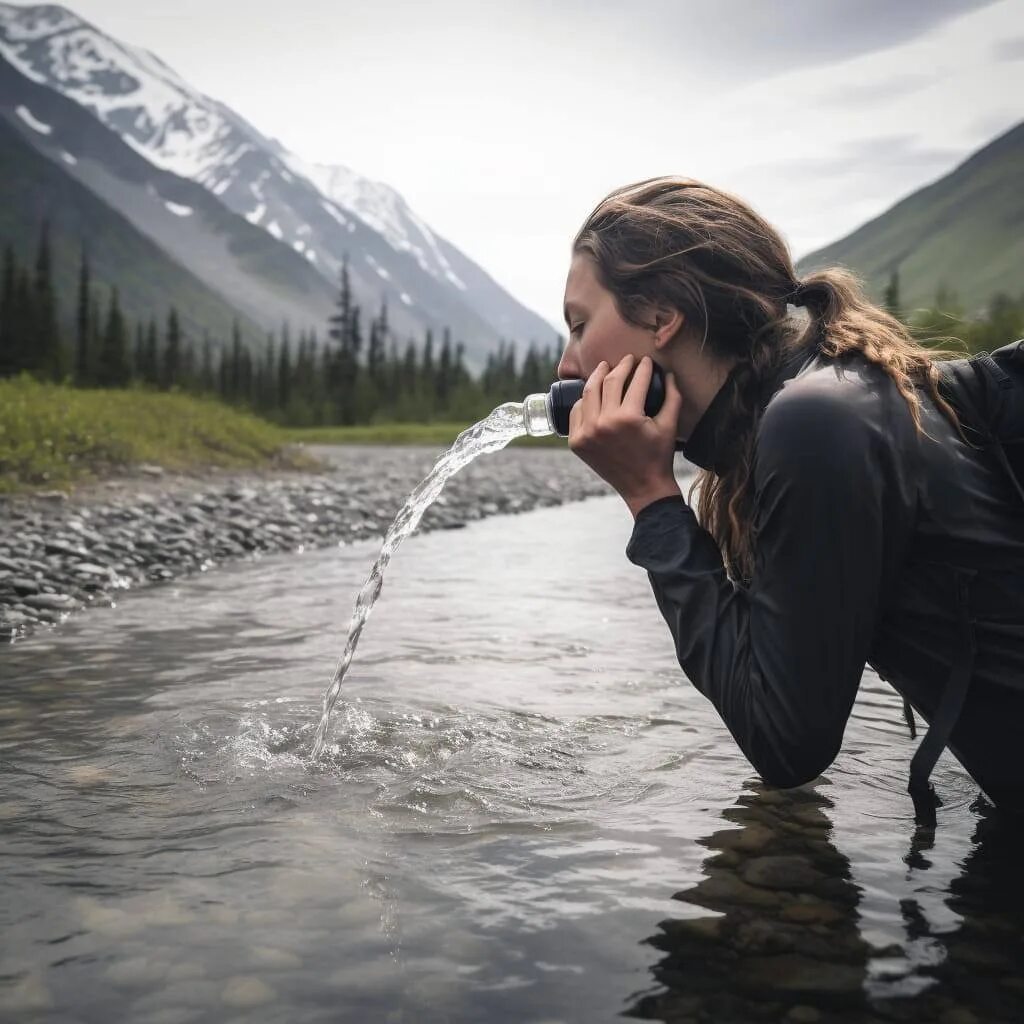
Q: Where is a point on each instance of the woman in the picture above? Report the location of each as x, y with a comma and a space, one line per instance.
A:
842, 517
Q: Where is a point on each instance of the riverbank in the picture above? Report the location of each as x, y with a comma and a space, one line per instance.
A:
60, 553
55, 436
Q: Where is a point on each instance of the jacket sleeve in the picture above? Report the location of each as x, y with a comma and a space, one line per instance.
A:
781, 661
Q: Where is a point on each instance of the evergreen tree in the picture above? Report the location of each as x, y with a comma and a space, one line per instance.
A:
83, 324
891, 298
149, 370
207, 377
269, 399
532, 376
171, 370
376, 351
235, 375
49, 359
445, 380
284, 374
10, 361
139, 352
23, 322
187, 378
112, 365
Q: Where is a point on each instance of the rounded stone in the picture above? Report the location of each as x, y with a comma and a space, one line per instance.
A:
780, 872
246, 990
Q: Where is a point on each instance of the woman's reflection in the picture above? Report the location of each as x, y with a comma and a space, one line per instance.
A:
784, 942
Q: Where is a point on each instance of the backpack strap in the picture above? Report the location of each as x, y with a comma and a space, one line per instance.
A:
948, 711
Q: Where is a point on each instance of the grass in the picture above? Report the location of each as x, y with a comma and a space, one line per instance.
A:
53, 436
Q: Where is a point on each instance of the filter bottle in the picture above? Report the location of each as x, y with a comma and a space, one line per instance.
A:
549, 413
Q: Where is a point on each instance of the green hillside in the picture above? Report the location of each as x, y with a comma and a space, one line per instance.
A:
33, 188
964, 231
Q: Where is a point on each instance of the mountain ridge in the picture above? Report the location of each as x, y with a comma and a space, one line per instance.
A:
976, 210
176, 127
261, 278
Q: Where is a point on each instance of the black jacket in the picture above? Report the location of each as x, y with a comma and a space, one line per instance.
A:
873, 544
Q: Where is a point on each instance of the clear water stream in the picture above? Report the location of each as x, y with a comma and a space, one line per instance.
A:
490, 434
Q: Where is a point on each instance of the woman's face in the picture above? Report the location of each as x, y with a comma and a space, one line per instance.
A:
596, 330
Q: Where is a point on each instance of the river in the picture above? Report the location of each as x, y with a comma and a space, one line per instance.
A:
526, 814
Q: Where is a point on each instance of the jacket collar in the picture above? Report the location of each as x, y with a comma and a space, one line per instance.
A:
710, 444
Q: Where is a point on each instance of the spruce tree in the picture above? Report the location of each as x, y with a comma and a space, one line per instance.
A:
444, 371
9, 361
23, 322
891, 299
149, 371
139, 353
206, 383
112, 365
83, 323
269, 399
49, 358
171, 369
236, 370
284, 374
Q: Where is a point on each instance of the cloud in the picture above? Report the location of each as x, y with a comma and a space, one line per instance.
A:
746, 40
873, 158
1007, 50
868, 93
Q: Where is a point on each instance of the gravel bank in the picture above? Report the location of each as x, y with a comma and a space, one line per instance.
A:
58, 555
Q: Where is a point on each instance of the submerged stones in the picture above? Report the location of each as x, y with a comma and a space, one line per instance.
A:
59, 555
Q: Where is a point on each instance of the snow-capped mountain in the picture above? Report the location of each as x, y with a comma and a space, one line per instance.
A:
324, 214
381, 207
266, 281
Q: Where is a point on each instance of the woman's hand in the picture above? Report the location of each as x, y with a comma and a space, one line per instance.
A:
610, 432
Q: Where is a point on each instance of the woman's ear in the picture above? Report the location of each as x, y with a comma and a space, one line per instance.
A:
668, 323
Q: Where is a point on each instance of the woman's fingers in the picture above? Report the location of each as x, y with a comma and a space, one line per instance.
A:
590, 403
615, 383
636, 393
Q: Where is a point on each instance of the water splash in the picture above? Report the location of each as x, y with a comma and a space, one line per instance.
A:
491, 434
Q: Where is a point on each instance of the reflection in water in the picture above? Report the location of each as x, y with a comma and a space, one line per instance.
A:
981, 966
785, 943
783, 940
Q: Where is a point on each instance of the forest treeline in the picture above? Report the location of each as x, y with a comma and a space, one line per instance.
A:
357, 373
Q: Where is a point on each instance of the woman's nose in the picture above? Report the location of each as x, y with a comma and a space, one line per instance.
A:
567, 368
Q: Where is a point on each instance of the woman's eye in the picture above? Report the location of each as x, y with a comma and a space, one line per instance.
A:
576, 328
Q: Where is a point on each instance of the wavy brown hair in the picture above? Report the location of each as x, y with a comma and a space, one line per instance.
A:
680, 243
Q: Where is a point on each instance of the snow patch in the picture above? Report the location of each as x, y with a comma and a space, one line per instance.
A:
33, 122
299, 246
275, 230
453, 277
255, 216
311, 256
68, 158
405, 298
332, 210
221, 187
381, 272
177, 209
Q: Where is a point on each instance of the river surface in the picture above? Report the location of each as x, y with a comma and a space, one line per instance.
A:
525, 814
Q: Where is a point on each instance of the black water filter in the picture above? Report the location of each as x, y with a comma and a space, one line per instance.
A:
549, 414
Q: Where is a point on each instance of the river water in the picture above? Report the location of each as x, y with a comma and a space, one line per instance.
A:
524, 813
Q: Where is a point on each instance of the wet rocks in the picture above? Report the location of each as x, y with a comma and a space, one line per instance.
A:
58, 555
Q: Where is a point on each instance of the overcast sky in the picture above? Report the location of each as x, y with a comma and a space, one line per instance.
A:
503, 122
